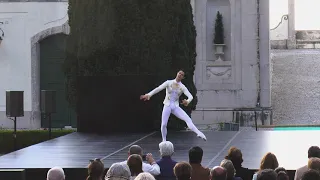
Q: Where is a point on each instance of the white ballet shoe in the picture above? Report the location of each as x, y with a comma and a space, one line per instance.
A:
202, 136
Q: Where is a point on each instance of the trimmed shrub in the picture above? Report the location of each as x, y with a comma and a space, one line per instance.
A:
131, 37
218, 30
27, 138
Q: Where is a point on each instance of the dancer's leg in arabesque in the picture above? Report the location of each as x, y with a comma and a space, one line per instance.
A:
164, 121
181, 114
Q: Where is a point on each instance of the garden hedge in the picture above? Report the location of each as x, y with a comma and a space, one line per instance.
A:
131, 37
26, 138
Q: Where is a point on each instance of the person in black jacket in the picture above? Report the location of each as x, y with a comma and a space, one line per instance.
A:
235, 155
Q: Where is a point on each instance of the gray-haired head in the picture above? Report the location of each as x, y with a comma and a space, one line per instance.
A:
166, 148
228, 165
55, 173
145, 176
118, 171
218, 172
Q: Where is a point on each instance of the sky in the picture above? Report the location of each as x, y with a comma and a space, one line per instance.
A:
307, 13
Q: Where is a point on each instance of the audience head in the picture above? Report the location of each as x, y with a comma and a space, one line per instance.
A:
55, 173
135, 164
218, 173
281, 173
118, 171
279, 169
314, 163
235, 155
227, 164
166, 148
195, 155
311, 174
267, 174
269, 161
135, 149
145, 176
95, 169
314, 151
182, 171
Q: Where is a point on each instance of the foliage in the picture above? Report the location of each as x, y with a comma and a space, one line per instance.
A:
219, 30
26, 138
130, 37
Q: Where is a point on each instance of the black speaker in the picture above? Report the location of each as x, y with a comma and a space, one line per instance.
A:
48, 101
14, 104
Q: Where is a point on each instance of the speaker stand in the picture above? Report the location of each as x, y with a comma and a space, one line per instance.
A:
15, 133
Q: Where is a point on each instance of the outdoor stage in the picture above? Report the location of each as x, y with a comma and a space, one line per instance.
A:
75, 150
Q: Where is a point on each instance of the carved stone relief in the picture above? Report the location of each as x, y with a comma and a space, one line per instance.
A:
218, 73
280, 32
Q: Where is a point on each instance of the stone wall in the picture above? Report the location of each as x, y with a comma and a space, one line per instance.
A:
308, 39
295, 86
24, 25
242, 78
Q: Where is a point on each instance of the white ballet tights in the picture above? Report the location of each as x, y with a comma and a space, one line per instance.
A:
179, 113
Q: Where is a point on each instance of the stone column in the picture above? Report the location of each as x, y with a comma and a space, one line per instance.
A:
265, 80
200, 12
291, 42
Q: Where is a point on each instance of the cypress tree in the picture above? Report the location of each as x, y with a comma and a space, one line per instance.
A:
131, 37
218, 30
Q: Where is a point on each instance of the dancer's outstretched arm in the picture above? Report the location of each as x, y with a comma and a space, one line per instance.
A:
155, 91
188, 94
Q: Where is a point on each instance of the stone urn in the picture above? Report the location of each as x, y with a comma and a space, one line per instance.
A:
219, 49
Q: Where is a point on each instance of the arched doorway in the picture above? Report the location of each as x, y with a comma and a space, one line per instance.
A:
52, 55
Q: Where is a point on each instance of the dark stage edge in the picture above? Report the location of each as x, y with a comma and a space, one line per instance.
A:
76, 149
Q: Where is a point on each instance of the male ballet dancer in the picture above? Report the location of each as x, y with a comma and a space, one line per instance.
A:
174, 89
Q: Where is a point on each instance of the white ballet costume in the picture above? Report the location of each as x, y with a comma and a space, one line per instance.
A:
171, 105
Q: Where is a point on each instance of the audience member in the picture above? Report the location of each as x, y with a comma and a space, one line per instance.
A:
314, 163
166, 163
118, 171
281, 173
235, 156
145, 176
135, 165
151, 167
55, 173
195, 159
227, 164
314, 151
279, 169
310, 174
218, 173
267, 174
269, 161
167, 169
182, 171
95, 170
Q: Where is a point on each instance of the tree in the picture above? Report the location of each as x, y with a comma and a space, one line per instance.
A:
218, 30
131, 37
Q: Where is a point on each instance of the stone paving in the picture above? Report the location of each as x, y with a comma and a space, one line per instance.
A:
296, 86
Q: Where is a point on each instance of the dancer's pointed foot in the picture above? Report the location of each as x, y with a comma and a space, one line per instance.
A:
202, 136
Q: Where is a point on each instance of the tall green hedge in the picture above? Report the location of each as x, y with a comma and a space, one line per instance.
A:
150, 37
